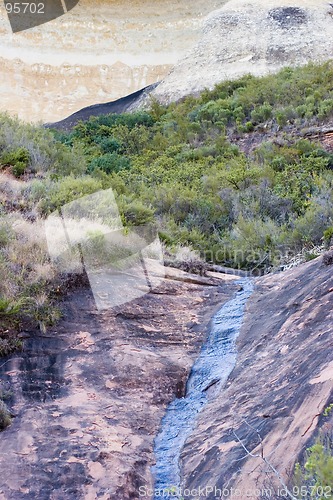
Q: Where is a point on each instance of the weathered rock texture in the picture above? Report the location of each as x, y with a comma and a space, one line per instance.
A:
281, 384
89, 396
98, 52
255, 37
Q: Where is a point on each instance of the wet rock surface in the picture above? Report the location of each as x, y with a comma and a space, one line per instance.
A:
99, 51
88, 397
208, 375
282, 381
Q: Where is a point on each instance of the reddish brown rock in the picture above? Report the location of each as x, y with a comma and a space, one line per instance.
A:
89, 397
280, 386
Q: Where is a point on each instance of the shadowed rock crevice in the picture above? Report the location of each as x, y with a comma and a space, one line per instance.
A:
118, 106
288, 17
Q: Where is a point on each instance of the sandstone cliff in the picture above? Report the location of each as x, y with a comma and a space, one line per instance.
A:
99, 51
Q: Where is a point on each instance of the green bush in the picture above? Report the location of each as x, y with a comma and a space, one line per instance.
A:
316, 475
9, 308
110, 162
8, 345
328, 236
65, 190
325, 109
18, 158
109, 145
254, 243
261, 113
135, 213
5, 417
41, 151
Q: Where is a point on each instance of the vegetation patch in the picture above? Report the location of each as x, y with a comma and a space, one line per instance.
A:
5, 417
182, 167
314, 478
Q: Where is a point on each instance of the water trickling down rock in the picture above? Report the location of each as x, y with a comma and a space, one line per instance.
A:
208, 375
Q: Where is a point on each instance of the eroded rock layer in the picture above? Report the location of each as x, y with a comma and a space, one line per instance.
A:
252, 37
97, 52
90, 394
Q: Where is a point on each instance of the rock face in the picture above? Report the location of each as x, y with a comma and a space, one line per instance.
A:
97, 52
89, 396
255, 37
280, 386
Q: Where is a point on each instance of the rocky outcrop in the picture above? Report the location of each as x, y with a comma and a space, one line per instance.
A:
274, 399
255, 37
90, 394
97, 52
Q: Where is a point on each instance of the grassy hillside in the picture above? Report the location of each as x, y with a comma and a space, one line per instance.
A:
181, 166
230, 174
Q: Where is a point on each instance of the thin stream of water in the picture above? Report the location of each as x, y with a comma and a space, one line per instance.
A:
211, 369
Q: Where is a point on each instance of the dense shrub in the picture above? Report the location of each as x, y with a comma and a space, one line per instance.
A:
19, 160
38, 148
55, 195
110, 162
5, 417
182, 168
134, 212
314, 479
328, 236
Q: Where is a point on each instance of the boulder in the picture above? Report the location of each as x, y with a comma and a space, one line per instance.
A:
257, 37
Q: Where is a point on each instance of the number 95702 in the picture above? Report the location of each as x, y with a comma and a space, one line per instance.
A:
25, 8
